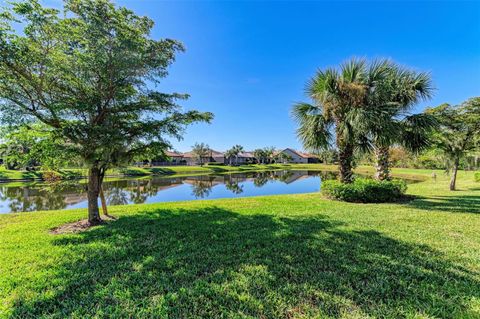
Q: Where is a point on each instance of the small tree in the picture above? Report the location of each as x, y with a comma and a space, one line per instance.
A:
260, 155
201, 151
458, 132
86, 73
282, 157
230, 154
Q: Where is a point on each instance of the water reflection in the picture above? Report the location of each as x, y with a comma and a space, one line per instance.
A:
39, 196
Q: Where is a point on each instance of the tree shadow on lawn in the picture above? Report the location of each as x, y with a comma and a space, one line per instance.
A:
454, 204
212, 262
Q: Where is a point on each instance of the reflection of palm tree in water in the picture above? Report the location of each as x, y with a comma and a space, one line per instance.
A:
261, 178
202, 188
232, 184
117, 196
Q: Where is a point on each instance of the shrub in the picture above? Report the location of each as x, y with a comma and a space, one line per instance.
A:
51, 176
364, 190
134, 171
476, 176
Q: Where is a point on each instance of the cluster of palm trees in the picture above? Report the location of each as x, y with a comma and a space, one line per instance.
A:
233, 153
364, 107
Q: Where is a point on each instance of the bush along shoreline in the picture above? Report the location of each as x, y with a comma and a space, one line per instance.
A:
364, 190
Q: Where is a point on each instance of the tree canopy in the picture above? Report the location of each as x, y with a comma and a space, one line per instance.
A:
91, 74
458, 132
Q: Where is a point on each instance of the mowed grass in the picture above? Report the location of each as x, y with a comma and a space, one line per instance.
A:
289, 256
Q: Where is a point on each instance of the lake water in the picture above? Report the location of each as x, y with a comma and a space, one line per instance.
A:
71, 194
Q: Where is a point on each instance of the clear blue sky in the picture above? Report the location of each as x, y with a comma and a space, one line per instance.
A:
247, 62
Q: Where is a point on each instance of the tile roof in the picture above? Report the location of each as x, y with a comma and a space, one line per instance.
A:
302, 154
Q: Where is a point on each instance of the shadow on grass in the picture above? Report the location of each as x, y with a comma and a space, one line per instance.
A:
454, 204
211, 263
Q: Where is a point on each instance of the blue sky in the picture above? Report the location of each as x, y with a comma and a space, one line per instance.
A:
247, 62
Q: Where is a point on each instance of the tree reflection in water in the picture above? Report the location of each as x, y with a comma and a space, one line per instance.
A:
42, 196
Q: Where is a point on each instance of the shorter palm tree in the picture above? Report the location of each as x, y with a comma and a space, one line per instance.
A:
233, 153
201, 151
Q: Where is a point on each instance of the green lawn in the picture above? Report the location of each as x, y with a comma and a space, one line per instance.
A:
289, 256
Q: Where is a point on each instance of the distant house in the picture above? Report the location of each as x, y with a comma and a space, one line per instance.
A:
244, 158
175, 157
213, 157
300, 157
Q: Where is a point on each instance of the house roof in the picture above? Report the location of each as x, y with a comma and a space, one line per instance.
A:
302, 154
173, 154
246, 154
213, 153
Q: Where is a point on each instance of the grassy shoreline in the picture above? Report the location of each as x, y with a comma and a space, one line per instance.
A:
282, 256
10, 176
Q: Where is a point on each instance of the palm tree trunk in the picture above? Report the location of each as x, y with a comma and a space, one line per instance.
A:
345, 161
453, 180
382, 163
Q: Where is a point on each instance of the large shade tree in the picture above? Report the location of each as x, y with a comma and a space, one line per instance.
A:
90, 73
458, 133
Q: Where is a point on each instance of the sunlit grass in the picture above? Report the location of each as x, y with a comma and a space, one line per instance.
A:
288, 256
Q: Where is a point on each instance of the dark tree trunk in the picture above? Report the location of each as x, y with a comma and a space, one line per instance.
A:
94, 184
345, 162
453, 180
382, 163
103, 201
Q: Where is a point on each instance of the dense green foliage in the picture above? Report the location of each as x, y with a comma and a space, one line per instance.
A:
366, 105
86, 74
365, 190
477, 176
458, 133
289, 256
31, 146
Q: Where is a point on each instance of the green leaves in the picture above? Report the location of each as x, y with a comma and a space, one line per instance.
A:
88, 73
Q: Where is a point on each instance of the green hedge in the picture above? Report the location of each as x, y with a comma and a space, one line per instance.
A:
477, 177
364, 190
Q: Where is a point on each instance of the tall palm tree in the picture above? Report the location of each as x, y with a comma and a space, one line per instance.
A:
386, 117
233, 153
237, 150
336, 94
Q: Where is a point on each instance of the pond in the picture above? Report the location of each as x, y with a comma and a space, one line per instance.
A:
71, 194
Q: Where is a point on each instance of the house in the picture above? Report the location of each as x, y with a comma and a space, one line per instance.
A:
242, 158
300, 157
214, 157
175, 157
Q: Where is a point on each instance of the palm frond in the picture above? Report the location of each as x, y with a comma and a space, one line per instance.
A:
314, 131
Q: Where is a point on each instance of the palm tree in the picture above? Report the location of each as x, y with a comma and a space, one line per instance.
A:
201, 151
237, 150
259, 154
234, 152
336, 95
230, 154
386, 117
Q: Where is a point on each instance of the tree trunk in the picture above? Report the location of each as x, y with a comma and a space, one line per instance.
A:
345, 160
382, 163
104, 202
94, 184
453, 180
